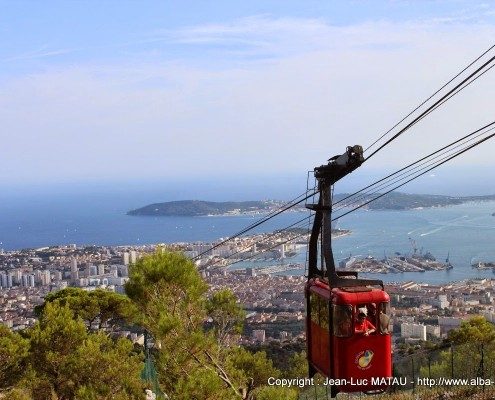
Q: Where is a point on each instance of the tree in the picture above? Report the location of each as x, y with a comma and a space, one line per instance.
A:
193, 362
66, 361
72, 359
13, 354
473, 351
225, 315
98, 309
108, 369
202, 383
54, 340
476, 330
255, 367
171, 298
298, 366
18, 394
276, 393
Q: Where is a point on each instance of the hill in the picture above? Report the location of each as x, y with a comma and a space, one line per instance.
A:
193, 208
405, 201
391, 201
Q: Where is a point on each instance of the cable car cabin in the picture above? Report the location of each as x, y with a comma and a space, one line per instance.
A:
348, 335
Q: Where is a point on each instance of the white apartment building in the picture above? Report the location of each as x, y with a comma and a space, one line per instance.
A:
417, 331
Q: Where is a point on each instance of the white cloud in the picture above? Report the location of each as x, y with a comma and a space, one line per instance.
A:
303, 91
42, 52
265, 34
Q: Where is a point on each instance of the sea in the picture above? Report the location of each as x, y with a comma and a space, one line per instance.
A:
465, 233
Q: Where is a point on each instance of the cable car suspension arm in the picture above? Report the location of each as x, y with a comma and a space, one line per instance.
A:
327, 175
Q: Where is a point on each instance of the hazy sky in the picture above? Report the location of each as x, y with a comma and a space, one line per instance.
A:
94, 90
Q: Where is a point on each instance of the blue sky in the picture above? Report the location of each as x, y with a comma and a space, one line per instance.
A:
102, 91
39, 35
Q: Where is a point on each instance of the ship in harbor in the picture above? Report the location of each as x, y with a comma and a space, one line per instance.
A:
418, 261
481, 265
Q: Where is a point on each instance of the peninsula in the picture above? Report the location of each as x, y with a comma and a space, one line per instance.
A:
406, 201
391, 201
195, 208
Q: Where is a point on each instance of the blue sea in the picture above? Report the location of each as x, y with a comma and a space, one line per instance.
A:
465, 232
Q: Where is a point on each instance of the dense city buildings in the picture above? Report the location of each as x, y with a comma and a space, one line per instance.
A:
274, 301
26, 276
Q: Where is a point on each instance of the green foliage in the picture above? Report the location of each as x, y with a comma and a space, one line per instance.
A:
298, 366
98, 308
276, 393
281, 353
255, 366
198, 207
171, 297
66, 361
226, 315
69, 358
202, 384
164, 268
13, 354
18, 394
108, 367
473, 352
476, 330
168, 292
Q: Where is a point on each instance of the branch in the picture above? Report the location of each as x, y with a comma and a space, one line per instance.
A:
218, 370
223, 375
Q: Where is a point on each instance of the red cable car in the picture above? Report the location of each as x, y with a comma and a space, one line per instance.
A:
354, 359
347, 323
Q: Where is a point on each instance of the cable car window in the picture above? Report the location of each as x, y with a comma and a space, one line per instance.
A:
324, 313
314, 305
384, 318
342, 320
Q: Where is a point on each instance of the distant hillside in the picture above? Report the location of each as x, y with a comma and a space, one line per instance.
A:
391, 201
403, 201
200, 208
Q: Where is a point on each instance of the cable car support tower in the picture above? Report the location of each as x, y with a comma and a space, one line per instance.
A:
327, 175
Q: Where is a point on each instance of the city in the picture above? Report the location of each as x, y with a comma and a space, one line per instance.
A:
274, 304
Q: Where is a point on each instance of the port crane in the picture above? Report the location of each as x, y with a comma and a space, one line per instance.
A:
414, 246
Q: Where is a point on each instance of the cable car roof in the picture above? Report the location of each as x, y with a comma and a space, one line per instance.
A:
349, 295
